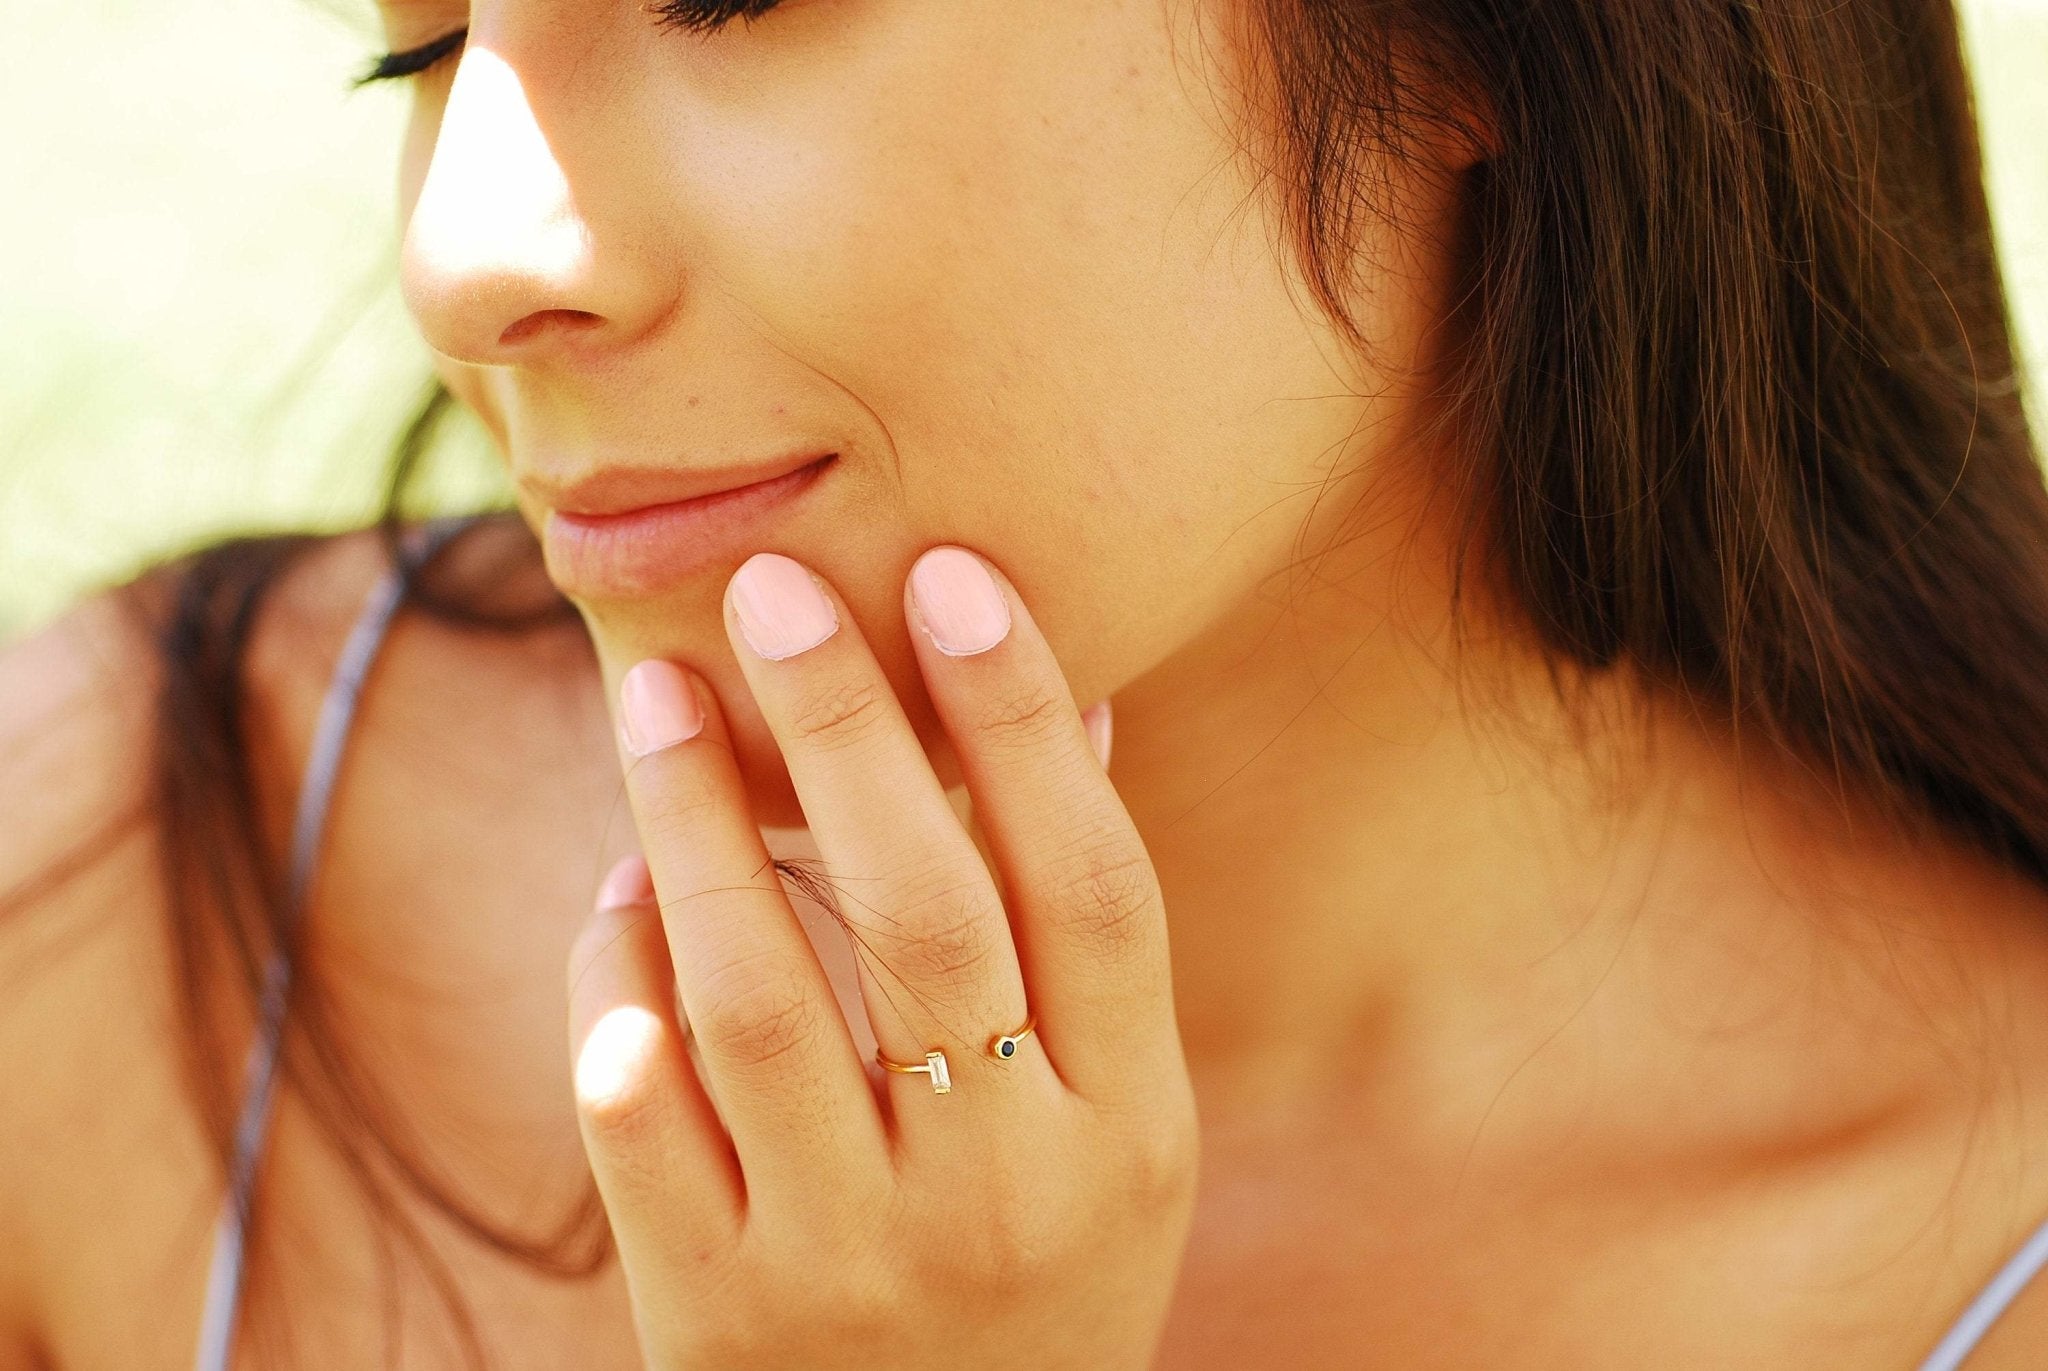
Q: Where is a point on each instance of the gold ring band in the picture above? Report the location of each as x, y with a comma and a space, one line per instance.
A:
1002, 1047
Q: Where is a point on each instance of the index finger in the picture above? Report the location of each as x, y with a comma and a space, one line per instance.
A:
1086, 911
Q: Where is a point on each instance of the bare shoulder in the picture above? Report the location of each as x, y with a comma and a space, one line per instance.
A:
2008, 1119
1979, 973
86, 701
93, 1017
76, 884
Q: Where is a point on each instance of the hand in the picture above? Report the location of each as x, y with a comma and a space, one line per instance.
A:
813, 1210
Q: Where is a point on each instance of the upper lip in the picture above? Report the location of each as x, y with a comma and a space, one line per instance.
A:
620, 489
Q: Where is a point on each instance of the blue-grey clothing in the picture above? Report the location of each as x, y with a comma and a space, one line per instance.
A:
330, 734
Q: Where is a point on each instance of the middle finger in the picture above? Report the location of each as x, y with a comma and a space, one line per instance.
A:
938, 966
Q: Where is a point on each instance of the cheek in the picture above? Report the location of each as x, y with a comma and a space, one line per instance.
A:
1032, 257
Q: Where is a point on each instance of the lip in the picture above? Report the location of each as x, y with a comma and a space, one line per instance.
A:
598, 552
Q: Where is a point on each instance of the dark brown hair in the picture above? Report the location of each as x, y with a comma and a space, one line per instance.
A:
1737, 399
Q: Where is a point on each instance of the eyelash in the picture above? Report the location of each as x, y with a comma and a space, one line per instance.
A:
691, 16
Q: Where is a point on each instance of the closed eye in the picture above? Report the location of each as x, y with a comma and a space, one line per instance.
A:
411, 62
707, 16
692, 16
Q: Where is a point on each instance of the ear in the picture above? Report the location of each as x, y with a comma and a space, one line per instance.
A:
1459, 123
1474, 134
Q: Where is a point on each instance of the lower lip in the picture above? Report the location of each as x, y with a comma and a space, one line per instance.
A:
656, 547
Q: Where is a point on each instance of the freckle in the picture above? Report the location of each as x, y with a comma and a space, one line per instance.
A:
692, 402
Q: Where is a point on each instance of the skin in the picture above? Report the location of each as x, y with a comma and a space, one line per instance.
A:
841, 276
1508, 1046
779, 1217
1015, 272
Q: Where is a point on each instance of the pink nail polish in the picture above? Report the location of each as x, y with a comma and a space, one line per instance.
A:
962, 607
657, 708
781, 610
628, 882
1096, 719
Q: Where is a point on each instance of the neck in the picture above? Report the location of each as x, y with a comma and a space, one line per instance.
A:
1388, 895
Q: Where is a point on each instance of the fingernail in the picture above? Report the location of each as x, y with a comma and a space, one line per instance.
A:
628, 882
657, 708
962, 606
782, 611
1097, 721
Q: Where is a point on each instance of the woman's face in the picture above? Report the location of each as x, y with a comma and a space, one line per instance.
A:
1007, 261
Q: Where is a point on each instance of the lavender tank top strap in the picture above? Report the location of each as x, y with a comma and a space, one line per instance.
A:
1969, 1329
309, 823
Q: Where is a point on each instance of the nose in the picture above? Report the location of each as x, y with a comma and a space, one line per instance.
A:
507, 257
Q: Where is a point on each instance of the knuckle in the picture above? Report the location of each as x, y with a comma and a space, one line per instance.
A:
857, 1299
759, 1033
949, 935
625, 1117
623, 1099
1018, 1247
756, 1014
1160, 1167
840, 715
1108, 895
1024, 1222
1027, 717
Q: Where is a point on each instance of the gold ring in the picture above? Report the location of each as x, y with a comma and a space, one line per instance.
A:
934, 1065
1002, 1047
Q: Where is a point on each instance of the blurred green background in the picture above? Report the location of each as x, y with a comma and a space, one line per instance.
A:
202, 331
